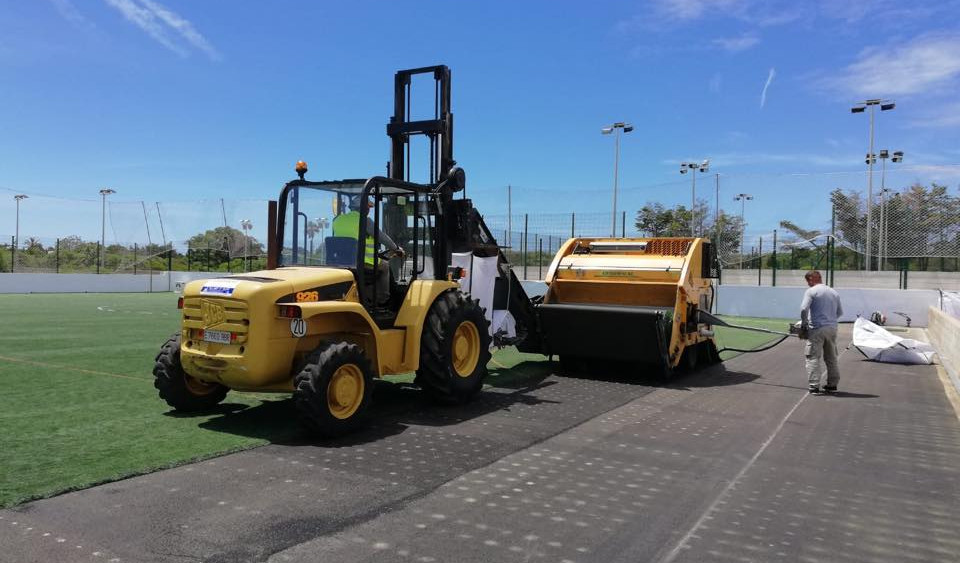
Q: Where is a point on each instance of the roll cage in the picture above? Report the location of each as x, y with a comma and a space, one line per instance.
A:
427, 222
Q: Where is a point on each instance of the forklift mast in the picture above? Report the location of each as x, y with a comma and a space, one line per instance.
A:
438, 130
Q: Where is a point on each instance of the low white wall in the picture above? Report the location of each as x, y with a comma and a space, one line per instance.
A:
847, 279
785, 302
944, 334
97, 283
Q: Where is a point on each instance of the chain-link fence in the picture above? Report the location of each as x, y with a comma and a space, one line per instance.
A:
808, 222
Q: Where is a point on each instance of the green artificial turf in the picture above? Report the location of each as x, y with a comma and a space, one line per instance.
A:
78, 406
748, 340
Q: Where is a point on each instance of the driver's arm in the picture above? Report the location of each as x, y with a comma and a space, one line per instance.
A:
384, 237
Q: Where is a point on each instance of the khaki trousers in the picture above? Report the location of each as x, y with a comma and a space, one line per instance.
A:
822, 343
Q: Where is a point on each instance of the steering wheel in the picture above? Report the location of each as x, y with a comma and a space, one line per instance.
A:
390, 253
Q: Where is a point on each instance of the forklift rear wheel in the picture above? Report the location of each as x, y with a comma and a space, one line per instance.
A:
454, 349
332, 391
179, 390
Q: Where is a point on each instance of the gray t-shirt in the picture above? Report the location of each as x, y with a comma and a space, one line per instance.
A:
821, 306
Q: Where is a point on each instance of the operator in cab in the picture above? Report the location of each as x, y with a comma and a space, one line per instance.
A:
348, 225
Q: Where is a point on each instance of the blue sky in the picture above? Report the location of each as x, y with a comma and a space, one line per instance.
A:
175, 101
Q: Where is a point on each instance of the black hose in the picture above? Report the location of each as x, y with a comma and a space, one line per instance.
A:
782, 338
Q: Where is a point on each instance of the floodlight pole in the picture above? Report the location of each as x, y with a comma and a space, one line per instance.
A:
693, 167
742, 198
103, 224
859, 108
615, 129
16, 238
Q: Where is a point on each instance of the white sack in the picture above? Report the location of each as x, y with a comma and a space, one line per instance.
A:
881, 346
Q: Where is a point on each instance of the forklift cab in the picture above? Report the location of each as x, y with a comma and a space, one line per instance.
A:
318, 228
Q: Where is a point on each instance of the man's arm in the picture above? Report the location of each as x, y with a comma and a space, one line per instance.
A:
805, 308
384, 237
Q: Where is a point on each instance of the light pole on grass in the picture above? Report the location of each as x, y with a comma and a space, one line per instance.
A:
103, 225
896, 156
885, 105
246, 225
16, 236
693, 168
743, 199
615, 128
323, 223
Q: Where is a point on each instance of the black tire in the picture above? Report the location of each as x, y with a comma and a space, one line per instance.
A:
454, 323
708, 353
179, 390
570, 364
333, 389
689, 359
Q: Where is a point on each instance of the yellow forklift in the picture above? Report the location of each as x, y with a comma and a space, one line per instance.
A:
410, 279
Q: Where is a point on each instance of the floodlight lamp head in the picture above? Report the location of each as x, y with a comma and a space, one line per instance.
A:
858, 109
887, 106
18, 197
107, 191
884, 153
607, 130
627, 128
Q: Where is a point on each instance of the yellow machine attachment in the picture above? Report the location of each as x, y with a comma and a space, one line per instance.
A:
634, 299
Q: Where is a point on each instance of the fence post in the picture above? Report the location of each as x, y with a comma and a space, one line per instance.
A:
58, 257
540, 259
99, 256
573, 224
13, 253
526, 243
169, 260
189, 258
134, 258
906, 272
774, 279
623, 225
760, 262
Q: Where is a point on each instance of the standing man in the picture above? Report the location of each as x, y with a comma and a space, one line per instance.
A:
819, 314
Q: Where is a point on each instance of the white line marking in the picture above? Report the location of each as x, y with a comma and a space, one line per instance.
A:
713, 505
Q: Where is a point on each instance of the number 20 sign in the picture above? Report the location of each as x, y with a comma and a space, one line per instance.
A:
298, 327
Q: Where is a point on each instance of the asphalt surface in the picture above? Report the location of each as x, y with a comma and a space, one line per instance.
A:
733, 463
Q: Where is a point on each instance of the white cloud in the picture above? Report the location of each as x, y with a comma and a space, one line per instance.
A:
69, 12
164, 25
716, 83
737, 44
943, 115
763, 94
916, 67
693, 9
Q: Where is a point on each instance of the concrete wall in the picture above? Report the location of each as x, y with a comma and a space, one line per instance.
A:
97, 283
944, 333
785, 302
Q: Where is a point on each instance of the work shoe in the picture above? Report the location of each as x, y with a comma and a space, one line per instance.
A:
829, 389
814, 389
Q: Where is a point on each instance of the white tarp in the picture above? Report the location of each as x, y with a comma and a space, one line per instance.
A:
880, 345
480, 283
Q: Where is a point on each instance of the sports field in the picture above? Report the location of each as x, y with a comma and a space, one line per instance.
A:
78, 407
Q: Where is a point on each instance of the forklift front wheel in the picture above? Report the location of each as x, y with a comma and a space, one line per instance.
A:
332, 391
454, 349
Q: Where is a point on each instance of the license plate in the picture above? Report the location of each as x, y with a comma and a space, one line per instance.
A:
218, 336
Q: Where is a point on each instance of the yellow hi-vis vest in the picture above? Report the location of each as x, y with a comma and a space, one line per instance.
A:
348, 225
